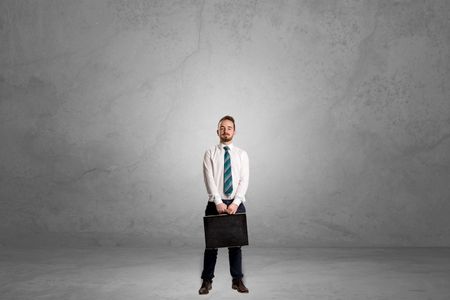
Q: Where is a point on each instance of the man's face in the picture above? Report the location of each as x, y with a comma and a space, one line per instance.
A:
226, 131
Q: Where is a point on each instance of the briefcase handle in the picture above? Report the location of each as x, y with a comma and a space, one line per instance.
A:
225, 214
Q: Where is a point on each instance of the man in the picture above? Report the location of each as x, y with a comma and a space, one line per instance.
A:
226, 173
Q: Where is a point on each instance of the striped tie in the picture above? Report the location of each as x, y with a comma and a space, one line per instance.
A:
227, 179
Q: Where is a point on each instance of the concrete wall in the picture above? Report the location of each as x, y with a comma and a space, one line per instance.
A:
106, 109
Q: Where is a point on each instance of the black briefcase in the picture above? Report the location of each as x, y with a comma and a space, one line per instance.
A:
225, 230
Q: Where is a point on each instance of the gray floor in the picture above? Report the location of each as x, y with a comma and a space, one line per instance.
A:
174, 273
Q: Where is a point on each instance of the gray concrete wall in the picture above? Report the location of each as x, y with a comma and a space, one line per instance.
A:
106, 109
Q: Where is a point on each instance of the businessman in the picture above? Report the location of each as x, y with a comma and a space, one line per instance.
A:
226, 174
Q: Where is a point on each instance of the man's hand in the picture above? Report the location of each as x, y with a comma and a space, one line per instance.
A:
232, 208
221, 208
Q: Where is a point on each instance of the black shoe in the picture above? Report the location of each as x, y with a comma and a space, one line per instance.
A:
206, 286
239, 286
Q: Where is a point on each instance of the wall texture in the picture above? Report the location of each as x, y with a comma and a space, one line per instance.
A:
106, 109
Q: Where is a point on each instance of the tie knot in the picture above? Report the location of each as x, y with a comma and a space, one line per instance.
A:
226, 148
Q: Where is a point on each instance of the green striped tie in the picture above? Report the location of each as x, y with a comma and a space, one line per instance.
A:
227, 179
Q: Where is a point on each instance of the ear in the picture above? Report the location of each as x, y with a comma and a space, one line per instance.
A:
217, 131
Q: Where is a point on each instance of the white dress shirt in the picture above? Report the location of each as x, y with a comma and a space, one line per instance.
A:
213, 164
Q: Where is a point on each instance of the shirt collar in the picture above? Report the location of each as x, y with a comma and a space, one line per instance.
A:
229, 146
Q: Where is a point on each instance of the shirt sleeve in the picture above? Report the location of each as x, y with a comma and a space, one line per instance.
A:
211, 187
243, 180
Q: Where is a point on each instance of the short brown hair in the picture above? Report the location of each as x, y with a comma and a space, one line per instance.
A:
230, 118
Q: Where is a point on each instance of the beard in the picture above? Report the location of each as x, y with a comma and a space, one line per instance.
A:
224, 138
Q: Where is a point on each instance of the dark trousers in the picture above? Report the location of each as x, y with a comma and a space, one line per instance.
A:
234, 253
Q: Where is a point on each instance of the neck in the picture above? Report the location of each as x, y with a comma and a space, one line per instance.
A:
226, 143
